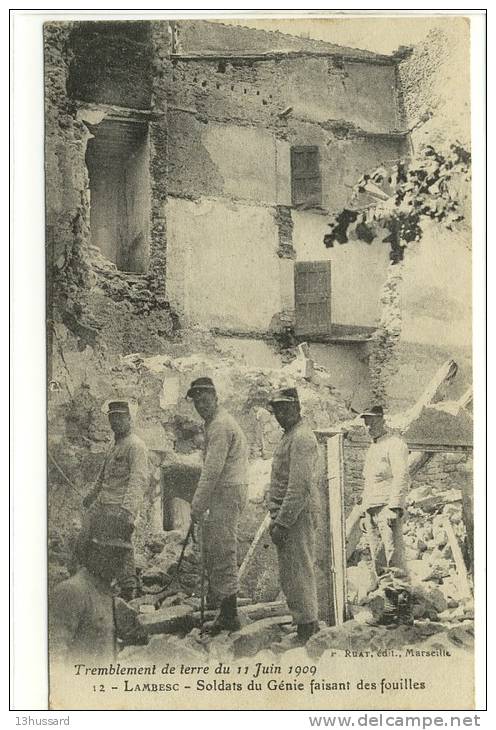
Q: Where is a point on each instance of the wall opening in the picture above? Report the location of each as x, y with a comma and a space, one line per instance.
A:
117, 158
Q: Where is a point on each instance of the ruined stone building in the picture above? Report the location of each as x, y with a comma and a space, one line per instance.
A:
191, 170
202, 160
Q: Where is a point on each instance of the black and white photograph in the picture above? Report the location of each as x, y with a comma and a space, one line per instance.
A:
260, 418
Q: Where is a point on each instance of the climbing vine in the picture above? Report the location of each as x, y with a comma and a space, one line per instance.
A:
394, 205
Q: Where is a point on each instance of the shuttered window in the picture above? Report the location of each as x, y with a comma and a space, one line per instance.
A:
313, 297
306, 187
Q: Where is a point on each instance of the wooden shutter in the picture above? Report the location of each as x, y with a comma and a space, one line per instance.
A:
306, 188
313, 297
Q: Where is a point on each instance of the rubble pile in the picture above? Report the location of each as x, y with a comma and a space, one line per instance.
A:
169, 607
273, 639
137, 290
170, 427
437, 592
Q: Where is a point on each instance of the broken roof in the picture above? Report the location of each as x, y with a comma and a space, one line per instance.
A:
436, 427
216, 39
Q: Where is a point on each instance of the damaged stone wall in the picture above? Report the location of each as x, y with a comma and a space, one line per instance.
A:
67, 200
86, 292
434, 82
436, 318
232, 122
319, 89
443, 472
111, 63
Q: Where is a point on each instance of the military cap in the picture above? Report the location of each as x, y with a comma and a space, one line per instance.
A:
200, 384
285, 395
118, 406
372, 411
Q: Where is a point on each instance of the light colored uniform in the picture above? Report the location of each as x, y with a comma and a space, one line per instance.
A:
125, 475
292, 504
222, 490
121, 485
387, 480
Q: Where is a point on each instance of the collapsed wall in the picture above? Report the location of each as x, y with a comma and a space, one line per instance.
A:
113, 334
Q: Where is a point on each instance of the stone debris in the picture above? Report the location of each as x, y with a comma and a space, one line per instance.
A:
258, 635
167, 620
361, 581
168, 648
170, 601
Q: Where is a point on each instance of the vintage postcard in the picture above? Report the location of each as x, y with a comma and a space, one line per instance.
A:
260, 425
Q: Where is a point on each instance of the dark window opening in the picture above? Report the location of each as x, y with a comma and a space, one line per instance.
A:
306, 185
118, 166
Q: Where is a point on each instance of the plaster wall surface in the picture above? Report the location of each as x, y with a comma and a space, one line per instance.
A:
211, 159
138, 208
319, 90
347, 366
437, 291
253, 163
221, 247
106, 196
358, 270
346, 363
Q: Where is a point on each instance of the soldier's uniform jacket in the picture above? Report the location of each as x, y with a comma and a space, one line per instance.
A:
125, 474
386, 473
292, 487
81, 619
225, 458
85, 619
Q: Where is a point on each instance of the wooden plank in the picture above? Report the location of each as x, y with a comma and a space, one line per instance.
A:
167, 620
353, 531
415, 446
335, 480
433, 393
264, 526
253, 611
461, 568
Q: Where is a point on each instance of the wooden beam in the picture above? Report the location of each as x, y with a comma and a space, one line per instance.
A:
432, 394
336, 527
264, 526
461, 569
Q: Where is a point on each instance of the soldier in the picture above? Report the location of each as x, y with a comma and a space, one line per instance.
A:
386, 483
221, 491
292, 501
119, 490
85, 619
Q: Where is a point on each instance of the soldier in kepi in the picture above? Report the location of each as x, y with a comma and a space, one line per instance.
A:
219, 500
118, 493
292, 501
86, 620
386, 483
